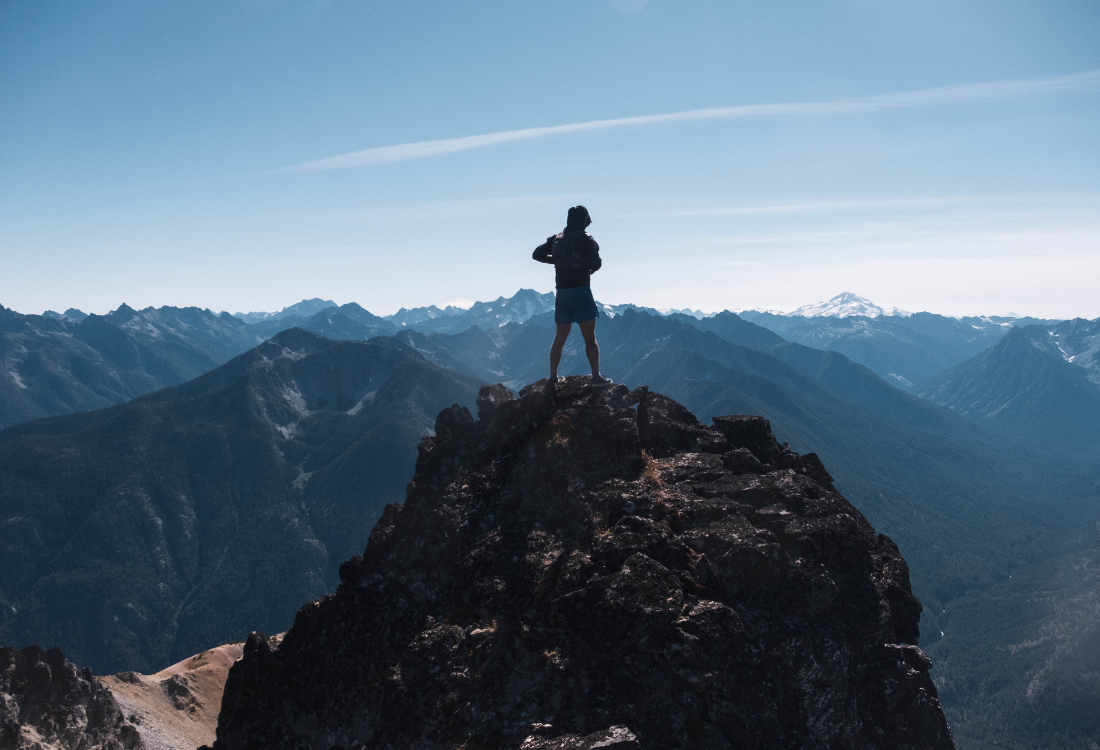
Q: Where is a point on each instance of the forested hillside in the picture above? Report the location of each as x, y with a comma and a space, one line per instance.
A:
137, 535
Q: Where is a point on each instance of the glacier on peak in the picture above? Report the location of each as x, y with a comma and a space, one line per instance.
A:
845, 305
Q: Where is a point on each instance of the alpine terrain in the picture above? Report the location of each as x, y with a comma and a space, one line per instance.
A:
572, 572
138, 535
52, 365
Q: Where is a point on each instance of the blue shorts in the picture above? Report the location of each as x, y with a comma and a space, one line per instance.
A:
575, 305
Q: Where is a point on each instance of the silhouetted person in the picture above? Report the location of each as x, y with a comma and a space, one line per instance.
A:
575, 257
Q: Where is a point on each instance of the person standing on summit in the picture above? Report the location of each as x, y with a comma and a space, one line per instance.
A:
575, 257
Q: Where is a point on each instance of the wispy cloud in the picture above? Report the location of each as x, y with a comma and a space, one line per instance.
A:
1027, 202
976, 92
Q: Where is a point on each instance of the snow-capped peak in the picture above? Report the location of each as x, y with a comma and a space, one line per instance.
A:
845, 305
685, 311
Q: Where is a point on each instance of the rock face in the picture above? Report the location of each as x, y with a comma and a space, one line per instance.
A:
572, 572
46, 703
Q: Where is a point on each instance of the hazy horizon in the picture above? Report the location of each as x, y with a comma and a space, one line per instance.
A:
242, 156
462, 302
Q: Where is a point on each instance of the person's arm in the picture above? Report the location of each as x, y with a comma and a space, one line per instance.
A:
594, 262
543, 253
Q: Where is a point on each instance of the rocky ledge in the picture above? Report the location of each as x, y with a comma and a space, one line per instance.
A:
591, 567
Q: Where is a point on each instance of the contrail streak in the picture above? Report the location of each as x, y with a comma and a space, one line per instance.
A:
973, 92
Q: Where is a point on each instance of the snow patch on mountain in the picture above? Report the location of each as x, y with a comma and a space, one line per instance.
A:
845, 305
305, 308
698, 314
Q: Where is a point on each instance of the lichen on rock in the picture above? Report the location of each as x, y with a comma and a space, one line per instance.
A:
589, 566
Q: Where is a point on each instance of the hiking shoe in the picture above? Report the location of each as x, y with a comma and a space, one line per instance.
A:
601, 380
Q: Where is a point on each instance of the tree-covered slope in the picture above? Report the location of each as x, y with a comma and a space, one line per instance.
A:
1024, 386
139, 534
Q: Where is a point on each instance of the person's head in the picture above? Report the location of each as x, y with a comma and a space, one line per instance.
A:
578, 218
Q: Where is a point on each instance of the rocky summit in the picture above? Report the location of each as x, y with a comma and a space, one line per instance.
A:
588, 566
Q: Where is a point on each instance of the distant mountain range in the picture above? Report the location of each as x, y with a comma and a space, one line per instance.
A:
349, 322
49, 372
303, 309
62, 365
1025, 384
153, 529
72, 313
522, 306
56, 363
134, 536
903, 350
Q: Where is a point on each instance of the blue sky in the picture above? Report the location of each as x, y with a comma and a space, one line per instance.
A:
245, 155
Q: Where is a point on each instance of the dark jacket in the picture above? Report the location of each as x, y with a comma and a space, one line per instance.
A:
567, 278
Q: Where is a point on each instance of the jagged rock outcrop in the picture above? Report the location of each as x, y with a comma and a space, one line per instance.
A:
46, 703
569, 572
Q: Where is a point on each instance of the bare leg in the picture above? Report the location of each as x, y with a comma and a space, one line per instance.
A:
591, 347
555, 350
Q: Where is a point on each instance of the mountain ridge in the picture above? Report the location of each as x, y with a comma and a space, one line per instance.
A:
1024, 385
303, 309
142, 533
51, 366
